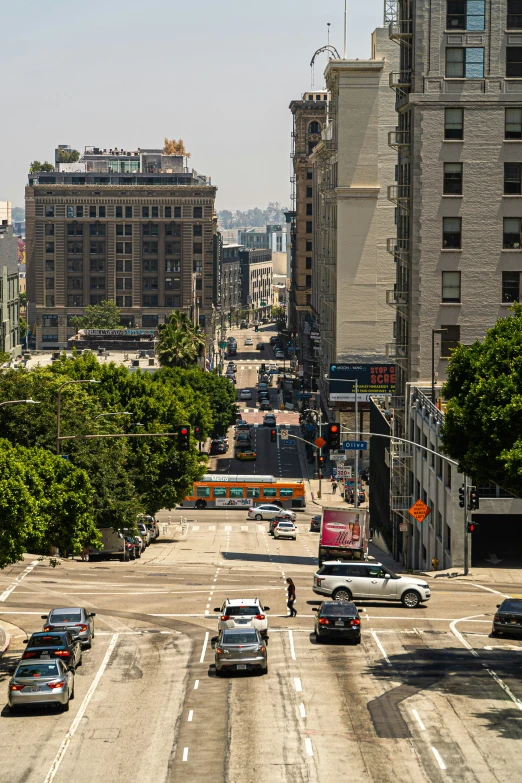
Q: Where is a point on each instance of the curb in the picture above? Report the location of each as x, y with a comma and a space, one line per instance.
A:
6, 644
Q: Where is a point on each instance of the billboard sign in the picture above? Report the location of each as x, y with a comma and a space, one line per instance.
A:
221, 502
343, 528
371, 378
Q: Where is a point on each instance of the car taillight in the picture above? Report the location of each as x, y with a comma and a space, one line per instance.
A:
16, 687
324, 621
225, 617
48, 628
56, 684
29, 655
62, 653
356, 621
260, 617
219, 650
496, 619
83, 628
318, 582
261, 649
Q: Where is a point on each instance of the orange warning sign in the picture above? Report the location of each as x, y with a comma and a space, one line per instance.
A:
320, 442
420, 511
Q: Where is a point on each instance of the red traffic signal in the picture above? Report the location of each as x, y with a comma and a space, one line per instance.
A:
273, 436
183, 438
197, 432
333, 437
472, 527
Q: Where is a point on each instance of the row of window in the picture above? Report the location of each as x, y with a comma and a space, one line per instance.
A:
122, 265
149, 247
122, 284
471, 15
148, 230
452, 233
468, 62
147, 300
451, 287
454, 124
120, 212
453, 179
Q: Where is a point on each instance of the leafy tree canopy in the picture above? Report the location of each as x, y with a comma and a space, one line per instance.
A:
179, 341
100, 316
483, 421
68, 156
36, 167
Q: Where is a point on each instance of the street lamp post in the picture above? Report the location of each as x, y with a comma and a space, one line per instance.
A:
18, 402
58, 410
433, 333
356, 412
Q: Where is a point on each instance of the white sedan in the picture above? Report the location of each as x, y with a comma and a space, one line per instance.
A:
249, 341
285, 529
279, 355
269, 511
245, 394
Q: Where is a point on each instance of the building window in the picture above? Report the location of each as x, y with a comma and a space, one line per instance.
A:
75, 248
514, 14
92, 212
513, 126
119, 212
49, 300
466, 15
198, 230
177, 212
49, 211
49, 229
95, 299
75, 283
150, 283
451, 286
101, 212
171, 265
75, 265
511, 286
74, 230
173, 284
79, 212
145, 212
97, 265
308, 281
309, 227
49, 247
452, 233
96, 248
453, 179
468, 63
197, 248
308, 262
449, 340
154, 212
50, 320
173, 230
97, 283
49, 266
308, 245
150, 230
168, 212
75, 300
448, 537
309, 173
309, 191
97, 229
124, 248
149, 320
123, 230
512, 179
309, 209
150, 248
149, 300
511, 239
198, 212
150, 264
49, 283
454, 124
124, 283
314, 127
514, 62
123, 265
128, 212
124, 301
172, 300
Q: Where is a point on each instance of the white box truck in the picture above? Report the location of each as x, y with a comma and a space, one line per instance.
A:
113, 545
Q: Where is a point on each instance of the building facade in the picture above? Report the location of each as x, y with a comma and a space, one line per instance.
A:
272, 238
9, 290
309, 119
256, 281
230, 284
134, 227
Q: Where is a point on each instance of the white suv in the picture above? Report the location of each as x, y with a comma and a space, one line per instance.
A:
243, 613
269, 511
348, 581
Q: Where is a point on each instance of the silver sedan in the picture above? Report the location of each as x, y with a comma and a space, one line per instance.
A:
41, 682
240, 650
77, 620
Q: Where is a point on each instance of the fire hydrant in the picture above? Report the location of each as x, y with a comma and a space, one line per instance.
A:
434, 563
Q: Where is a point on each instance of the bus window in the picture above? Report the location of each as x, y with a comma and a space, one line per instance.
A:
253, 492
269, 492
202, 492
286, 493
236, 492
220, 492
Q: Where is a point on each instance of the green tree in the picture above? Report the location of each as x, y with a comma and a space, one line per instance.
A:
4, 357
100, 316
23, 298
179, 341
36, 167
17, 508
23, 328
67, 156
483, 422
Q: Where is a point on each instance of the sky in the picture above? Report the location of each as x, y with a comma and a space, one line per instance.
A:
123, 73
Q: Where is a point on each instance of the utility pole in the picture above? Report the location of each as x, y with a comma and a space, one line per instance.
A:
466, 534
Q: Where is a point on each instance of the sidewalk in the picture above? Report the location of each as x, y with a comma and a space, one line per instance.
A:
8, 632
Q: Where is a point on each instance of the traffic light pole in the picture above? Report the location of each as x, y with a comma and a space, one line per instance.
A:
466, 534
356, 480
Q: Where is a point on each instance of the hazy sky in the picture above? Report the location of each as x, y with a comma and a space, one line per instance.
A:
123, 73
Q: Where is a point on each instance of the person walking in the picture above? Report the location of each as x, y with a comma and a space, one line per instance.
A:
291, 597
334, 487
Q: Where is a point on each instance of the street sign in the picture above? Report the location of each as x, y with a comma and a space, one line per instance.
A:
320, 442
283, 434
310, 427
355, 445
289, 442
403, 527
420, 511
223, 345
336, 457
303, 396
344, 472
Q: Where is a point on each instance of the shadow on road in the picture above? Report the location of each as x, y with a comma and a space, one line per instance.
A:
258, 558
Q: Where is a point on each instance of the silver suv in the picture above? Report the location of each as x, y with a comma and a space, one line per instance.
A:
348, 581
243, 612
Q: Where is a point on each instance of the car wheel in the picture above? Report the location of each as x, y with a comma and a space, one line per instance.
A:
411, 599
357, 640
318, 639
219, 673
13, 709
265, 671
65, 707
71, 697
342, 594
201, 504
258, 517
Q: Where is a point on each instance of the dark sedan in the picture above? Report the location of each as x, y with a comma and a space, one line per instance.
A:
339, 619
265, 405
508, 618
315, 524
56, 644
218, 447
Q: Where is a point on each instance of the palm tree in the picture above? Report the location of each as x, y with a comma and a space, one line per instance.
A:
179, 341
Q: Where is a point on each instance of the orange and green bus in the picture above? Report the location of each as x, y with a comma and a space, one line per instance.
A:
235, 491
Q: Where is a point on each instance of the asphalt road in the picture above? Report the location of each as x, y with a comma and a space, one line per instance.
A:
427, 696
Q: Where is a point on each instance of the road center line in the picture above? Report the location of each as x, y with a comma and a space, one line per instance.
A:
417, 717
297, 685
190, 716
292, 648
81, 712
204, 650
438, 757
302, 711
381, 648
185, 754
5, 595
308, 746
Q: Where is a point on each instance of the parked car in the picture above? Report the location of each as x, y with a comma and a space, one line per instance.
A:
241, 612
76, 620
508, 618
279, 354
337, 619
245, 453
239, 651
346, 581
268, 511
140, 542
218, 447
134, 550
40, 682
249, 341
245, 394
269, 420
285, 529
144, 533
244, 325
54, 644
315, 524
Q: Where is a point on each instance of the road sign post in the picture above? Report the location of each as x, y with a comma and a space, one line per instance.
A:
420, 511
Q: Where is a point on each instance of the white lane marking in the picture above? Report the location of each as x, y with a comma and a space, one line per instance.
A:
196, 685
195, 527
244, 527
204, 650
491, 673
438, 757
190, 716
227, 527
211, 527
489, 589
292, 648
302, 711
381, 648
81, 712
185, 754
5, 595
297, 685
308, 746
261, 528
417, 717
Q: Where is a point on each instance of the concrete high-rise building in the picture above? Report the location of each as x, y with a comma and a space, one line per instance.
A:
135, 227
309, 120
351, 269
9, 285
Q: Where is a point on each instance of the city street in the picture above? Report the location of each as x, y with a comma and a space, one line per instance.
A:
429, 695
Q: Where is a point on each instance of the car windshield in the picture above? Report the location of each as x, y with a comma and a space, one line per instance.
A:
49, 640
338, 610
511, 606
238, 611
38, 670
244, 637
65, 617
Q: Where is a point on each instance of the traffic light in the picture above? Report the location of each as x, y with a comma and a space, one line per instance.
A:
474, 501
321, 460
472, 527
256, 328
273, 436
333, 437
197, 432
184, 438
462, 497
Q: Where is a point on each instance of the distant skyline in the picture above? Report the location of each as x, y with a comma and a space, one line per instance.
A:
124, 74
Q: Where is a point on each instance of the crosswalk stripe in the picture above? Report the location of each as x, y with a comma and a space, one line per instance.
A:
244, 527
195, 527
211, 527
228, 527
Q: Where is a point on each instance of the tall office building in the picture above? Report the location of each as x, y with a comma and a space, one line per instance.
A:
9, 285
136, 227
